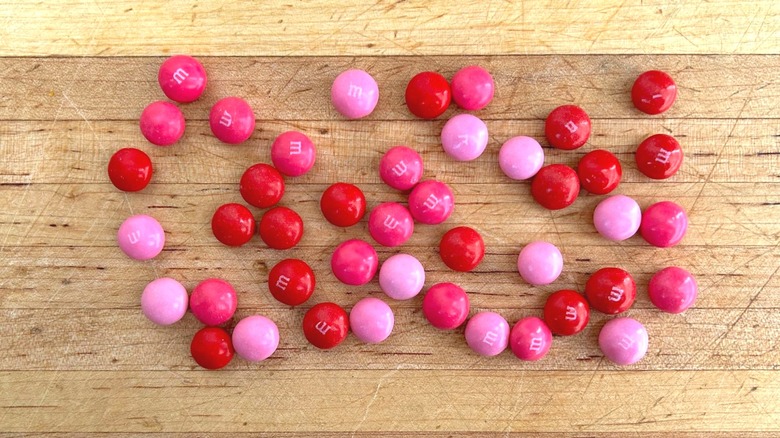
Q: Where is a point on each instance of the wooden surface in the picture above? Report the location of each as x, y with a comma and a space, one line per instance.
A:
80, 357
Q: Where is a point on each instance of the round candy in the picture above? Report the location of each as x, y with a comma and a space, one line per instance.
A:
164, 301
462, 249
293, 153
663, 224
659, 156
162, 123
213, 301
445, 306
401, 168
472, 88
281, 228
233, 224
610, 290
520, 157
326, 325
555, 186
530, 339
371, 320
464, 137
354, 262
617, 217
487, 333
540, 263
567, 127
566, 312
390, 224
599, 172
401, 277
255, 338
354, 94
232, 120
261, 186
130, 170
673, 289
291, 281
431, 202
343, 204
212, 348
182, 78
623, 341
653, 92
428, 95
141, 237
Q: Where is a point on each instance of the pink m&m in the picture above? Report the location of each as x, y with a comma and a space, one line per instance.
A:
401, 168
540, 263
663, 224
232, 120
673, 289
401, 277
431, 202
520, 157
617, 217
530, 339
293, 153
472, 88
162, 123
464, 137
487, 333
182, 78
446, 306
390, 224
371, 320
354, 94
164, 301
213, 301
623, 341
255, 338
354, 262
141, 237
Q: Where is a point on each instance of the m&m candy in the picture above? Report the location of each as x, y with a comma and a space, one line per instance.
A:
141, 237
555, 186
130, 170
464, 137
530, 339
291, 281
617, 217
401, 168
428, 95
354, 94
431, 202
164, 301
293, 153
326, 325
462, 249
213, 301
540, 263
343, 205
255, 338
663, 224
261, 186
232, 120
520, 157
659, 156
472, 88
390, 224
610, 290
566, 312
212, 348
281, 228
162, 123
354, 262
445, 306
233, 224
182, 78
567, 127
623, 341
371, 320
487, 333
673, 289
599, 172
653, 92
401, 277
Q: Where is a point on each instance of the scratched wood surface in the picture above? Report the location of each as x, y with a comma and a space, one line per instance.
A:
79, 356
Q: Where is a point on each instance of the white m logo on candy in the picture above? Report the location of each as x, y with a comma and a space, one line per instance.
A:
536, 344
282, 282
391, 222
180, 75
134, 237
490, 338
355, 91
323, 327
431, 202
615, 294
400, 168
571, 313
226, 120
663, 156
295, 148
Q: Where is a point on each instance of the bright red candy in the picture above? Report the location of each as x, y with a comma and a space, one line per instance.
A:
653, 92
281, 228
291, 282
611, 290
130, 169
212, 348
343, 204
233, 224
659, 156
326, 325
428, 95
462, 249
555, 186
567, 127
261, 185
599, 172
566, 312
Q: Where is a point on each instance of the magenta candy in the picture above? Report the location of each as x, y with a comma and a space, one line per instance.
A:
530, 339
164, 301
162, 123
446, 306
213, 301
521, 157
354, 262
673, 289
401, 168
472, 88
401, 277
390, 224
540, 263
293, 153
431, 202
354, 94
487, 333
232, 120
623, 341
255, 338
617, 217
464, 137
371, 320
141, 237
182, 78
663, 224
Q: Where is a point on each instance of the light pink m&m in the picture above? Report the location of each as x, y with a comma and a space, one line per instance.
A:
232, 120
472, 88
255, 338
663, 224
354, 94
540, 263
623, 341
164, 301
141, 237
673, 289
464, 137
401, 277
182, 78
354, 262
213, 301
487, 333
162, 123
371, 320
390, 224
617, 217
401, 168
293, 153
431, 202
530, 339
521, 157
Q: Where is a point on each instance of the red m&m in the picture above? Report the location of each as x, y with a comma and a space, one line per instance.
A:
182, 78
233, 224
326, 325
281, 228
232, 120
130, 170
428, 95
291, 281
599, 172
555, 186
653, 92
462, 249
659, 156
343, 204
212, 348
567, 127
611, 290
261, 186
162, 123
566, 312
